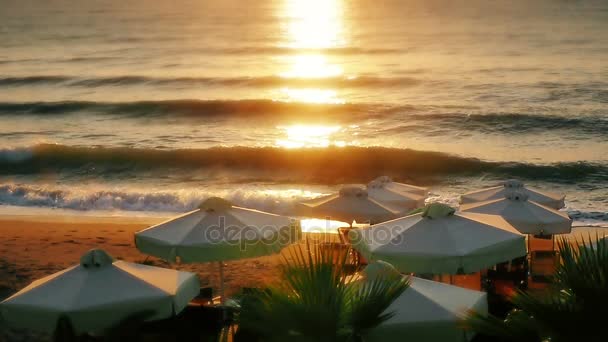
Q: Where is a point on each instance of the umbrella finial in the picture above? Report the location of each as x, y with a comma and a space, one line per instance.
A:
376, 184
517, 196
96, 258
353, 191
215, 204
513, 184
437, 210
383, 179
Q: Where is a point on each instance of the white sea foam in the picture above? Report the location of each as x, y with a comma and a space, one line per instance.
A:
133, 200
156, 202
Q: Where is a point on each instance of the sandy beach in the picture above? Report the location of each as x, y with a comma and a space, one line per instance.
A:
35, 246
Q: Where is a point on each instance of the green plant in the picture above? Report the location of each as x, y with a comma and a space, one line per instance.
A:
317, 301
573, 308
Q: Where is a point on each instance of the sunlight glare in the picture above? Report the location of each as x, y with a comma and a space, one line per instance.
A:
312, 95
311, 66
322, 226
314, 24
311, 27
299, 136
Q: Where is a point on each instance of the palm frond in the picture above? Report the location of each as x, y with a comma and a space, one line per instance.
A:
372, 298
518, 326
317, 300
571, 309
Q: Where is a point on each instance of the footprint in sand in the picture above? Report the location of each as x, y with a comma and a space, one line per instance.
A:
72, 241
121, 244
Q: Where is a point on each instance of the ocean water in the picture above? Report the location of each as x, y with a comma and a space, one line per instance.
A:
141, 106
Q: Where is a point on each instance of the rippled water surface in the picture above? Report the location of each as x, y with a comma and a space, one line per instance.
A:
106, 104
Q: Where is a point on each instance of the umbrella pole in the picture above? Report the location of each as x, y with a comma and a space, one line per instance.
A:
221, 282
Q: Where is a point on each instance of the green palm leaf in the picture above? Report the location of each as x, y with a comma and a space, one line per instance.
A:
571, 309
317, 301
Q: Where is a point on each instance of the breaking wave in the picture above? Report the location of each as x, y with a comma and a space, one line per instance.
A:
315, 165
167, 201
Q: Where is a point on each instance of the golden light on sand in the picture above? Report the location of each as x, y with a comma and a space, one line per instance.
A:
322, 226
298, 136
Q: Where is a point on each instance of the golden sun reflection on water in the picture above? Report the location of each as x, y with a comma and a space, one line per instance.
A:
298, 136
311, 66
313, 25
312, 95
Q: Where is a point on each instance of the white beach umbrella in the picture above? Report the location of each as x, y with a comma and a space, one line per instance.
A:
526, 216
99, 293
351, 203
440, 241
218, 231
395, 199
428, 311
548, 199
402, 187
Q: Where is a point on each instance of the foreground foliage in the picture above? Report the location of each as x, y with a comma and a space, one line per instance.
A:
317, 301
574, 308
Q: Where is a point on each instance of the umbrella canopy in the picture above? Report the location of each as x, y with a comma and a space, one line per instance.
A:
551, 200
99, 293
429, 311
351, 203
218, 231
440, 241
393, 198
389, 184
526, 216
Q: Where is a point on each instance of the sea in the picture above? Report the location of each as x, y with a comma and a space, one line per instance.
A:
141, 107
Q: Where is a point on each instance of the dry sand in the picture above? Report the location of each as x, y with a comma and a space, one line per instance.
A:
34, 246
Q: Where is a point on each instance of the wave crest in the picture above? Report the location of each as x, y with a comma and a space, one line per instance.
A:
313, 165
260, 81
